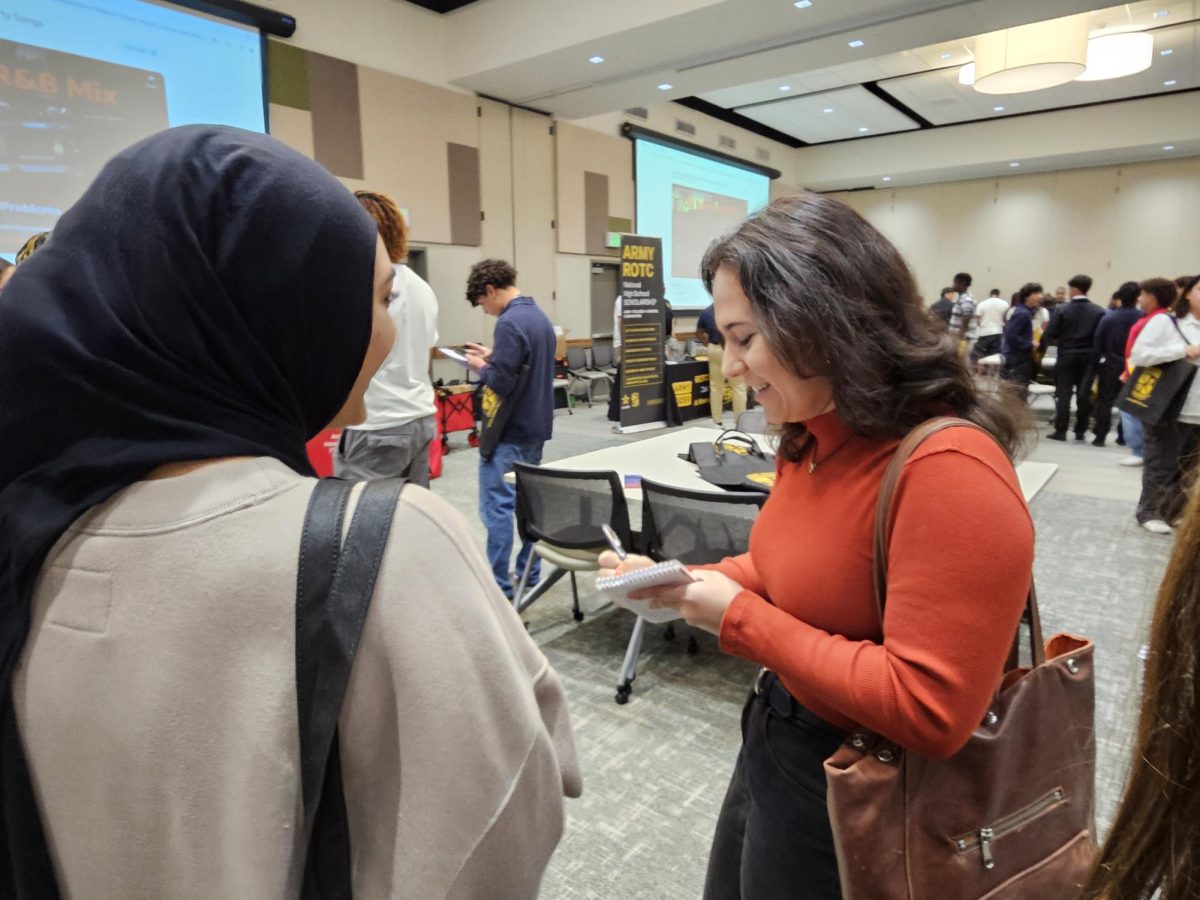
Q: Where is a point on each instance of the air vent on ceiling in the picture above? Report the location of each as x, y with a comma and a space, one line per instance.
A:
638, 112
761, 155
685, 127
727, 142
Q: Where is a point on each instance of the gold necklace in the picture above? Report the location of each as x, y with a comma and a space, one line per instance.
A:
814, 462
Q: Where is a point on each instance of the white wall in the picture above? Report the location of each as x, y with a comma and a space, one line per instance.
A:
401, 38
1115, 223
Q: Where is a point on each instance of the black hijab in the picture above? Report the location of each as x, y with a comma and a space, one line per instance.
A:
209, 296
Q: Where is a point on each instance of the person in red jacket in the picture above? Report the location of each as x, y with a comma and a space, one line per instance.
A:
822, 318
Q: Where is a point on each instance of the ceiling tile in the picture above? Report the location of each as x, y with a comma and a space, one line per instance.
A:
852, 109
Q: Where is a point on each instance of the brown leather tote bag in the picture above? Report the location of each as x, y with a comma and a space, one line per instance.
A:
1010, 815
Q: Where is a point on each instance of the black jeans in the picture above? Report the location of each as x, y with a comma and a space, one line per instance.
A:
1108, 386
773, 838
1072, 375
1019, 367
986, 346
1170, 451
614, 397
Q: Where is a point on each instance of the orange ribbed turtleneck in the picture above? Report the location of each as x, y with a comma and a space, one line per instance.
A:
960, 558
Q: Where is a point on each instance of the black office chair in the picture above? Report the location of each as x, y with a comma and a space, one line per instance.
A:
562, 511
752, 421
694, 527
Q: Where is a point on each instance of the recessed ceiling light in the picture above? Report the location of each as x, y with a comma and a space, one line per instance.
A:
863, 130
596, 59
997, 109
827, 109
665, 87
1161, 13
887, 177
1170, 82
802, 4
1166, 52
856, 43
947, 55
785, 87
1168, 146
1014, 165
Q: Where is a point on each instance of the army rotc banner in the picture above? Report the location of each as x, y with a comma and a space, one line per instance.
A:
642, 334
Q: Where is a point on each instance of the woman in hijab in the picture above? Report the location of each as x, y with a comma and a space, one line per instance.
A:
213, 301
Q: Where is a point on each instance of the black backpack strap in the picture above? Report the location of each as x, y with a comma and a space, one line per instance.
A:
335, 583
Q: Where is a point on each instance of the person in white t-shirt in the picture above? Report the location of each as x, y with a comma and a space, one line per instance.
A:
394, 441
990, 317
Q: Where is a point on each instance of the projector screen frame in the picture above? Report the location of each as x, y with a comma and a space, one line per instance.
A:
267, 21
638, 133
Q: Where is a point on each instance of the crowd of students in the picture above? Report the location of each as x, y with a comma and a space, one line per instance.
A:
1149, 324
154, 493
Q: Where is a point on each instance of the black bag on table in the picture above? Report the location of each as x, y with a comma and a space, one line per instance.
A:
1155, 394
735, 462
495, 411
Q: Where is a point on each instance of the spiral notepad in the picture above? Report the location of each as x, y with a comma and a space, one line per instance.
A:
618, 587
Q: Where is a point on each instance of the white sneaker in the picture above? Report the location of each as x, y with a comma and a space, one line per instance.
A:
1130, 461
1157, 526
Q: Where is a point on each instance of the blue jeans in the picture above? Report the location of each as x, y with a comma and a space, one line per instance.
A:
1132, 428
497, 502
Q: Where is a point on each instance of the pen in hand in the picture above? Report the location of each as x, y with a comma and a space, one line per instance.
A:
614, 542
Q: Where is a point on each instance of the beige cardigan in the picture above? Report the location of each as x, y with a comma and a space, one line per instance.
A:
156, 699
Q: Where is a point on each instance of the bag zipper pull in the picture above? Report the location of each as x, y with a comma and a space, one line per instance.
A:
985, 847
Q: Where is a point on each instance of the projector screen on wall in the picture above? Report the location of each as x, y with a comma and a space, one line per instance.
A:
689, 199
82, 79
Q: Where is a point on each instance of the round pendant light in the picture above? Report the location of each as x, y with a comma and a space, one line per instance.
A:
1118, 55
1031, 57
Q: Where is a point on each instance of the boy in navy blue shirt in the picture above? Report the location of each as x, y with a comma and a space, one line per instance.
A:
523, 337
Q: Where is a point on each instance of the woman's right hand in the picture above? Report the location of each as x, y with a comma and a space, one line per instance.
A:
1193, 351
611, 564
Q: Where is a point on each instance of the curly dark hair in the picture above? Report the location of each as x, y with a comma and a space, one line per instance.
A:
1182, 307
489, 273
389, 220
1028, 290
824, 285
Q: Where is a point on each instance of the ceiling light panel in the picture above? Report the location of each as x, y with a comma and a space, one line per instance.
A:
1118, 55
939, 97
853, 108
760, 91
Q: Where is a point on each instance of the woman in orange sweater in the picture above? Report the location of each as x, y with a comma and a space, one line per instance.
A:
823, 320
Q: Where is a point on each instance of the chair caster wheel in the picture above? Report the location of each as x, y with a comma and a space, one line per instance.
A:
622, 699
693, 646
623, 692
577, 616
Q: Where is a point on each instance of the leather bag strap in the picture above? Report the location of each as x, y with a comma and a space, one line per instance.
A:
335, 583
883, 529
